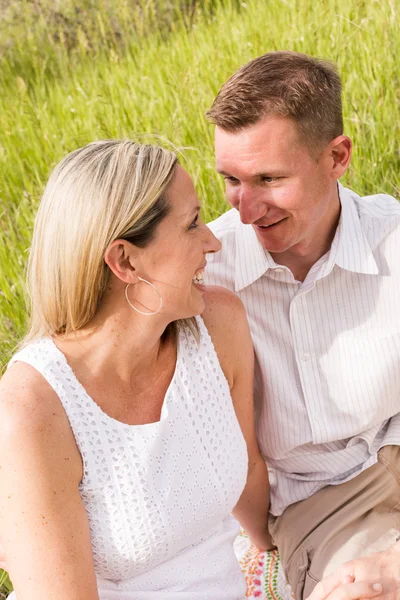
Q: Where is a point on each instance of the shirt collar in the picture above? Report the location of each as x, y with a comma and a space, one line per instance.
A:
350, 248
251, 261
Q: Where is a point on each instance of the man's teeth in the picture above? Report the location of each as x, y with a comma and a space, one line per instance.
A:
271, 224
199, 277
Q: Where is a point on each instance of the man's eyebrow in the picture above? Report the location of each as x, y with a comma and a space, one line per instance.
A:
272, 173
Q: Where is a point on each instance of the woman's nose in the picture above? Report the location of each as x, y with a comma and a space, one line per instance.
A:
213, 243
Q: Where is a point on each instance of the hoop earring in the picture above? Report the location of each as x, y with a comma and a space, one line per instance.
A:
141, 311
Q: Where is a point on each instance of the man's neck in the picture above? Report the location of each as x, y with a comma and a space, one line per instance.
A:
299, 266
301, 257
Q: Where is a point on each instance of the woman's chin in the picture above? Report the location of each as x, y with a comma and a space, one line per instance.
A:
194, 305
196, 308
200, 287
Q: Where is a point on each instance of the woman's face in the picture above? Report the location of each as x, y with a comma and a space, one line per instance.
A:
175, 259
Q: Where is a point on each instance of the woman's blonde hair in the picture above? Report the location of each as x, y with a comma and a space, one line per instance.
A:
108, 190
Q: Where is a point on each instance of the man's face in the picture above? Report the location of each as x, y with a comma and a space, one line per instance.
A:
278, 187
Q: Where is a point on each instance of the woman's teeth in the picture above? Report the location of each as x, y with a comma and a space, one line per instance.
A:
199, 277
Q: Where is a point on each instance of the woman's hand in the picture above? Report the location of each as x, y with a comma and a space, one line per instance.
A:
263, 541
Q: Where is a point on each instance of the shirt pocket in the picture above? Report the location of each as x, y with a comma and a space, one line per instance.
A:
360, 376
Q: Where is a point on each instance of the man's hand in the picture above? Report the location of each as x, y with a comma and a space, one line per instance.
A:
375, 576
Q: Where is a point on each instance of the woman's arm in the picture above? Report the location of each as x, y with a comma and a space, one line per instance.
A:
43, 524
226, 320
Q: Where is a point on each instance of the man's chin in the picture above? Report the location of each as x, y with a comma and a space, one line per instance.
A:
272, 240
272, 246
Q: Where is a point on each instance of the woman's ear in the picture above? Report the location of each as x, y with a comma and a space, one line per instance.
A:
121, 256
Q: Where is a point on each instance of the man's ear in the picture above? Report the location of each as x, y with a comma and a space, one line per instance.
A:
122, 256
340, 150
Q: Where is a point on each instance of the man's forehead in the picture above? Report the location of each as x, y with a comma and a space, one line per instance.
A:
256, 149
255, 164
241, 137
273, 128
237, 146
224, 164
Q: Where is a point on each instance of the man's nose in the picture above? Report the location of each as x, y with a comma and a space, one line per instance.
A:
249, 206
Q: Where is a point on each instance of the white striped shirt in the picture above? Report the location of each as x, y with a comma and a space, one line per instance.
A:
327, 380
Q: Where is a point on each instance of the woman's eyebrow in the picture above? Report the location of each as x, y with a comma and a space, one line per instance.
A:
194, 210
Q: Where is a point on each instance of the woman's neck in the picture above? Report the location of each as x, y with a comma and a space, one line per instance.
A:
118, 344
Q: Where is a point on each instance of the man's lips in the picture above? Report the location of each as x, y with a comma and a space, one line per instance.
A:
265, 227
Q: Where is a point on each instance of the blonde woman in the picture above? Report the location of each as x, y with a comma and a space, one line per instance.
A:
126, 419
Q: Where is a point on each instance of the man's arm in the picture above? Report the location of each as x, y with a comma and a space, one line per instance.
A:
356, 579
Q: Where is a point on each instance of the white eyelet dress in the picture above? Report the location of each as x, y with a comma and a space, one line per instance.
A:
159, 496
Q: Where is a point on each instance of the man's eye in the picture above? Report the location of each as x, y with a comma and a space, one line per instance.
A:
232, 180
269, 179
193, 224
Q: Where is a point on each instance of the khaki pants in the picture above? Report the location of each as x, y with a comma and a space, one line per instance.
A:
340, 523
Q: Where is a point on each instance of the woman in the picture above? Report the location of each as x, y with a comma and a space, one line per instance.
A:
126, 420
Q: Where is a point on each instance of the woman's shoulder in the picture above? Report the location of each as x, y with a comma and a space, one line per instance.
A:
27, 401
222, 305
225, 318
33, 421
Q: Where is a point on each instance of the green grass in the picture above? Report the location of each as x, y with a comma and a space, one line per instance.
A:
5, 585
125, 69
56, 97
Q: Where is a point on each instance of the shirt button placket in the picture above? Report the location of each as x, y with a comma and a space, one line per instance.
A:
302, 343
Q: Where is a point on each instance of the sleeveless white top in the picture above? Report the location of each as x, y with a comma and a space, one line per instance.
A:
158, 496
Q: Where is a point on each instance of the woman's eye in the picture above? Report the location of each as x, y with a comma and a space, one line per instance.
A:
194, 222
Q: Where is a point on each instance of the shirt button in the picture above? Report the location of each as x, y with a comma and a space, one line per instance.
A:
305, 357
279, 270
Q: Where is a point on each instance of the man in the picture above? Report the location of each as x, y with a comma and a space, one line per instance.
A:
318, 270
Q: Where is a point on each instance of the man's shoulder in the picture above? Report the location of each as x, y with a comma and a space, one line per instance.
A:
377, 206
377, 219
379, 216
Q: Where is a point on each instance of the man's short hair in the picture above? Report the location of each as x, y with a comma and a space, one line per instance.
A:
288, 84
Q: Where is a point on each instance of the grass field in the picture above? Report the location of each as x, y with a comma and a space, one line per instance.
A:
124, 69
